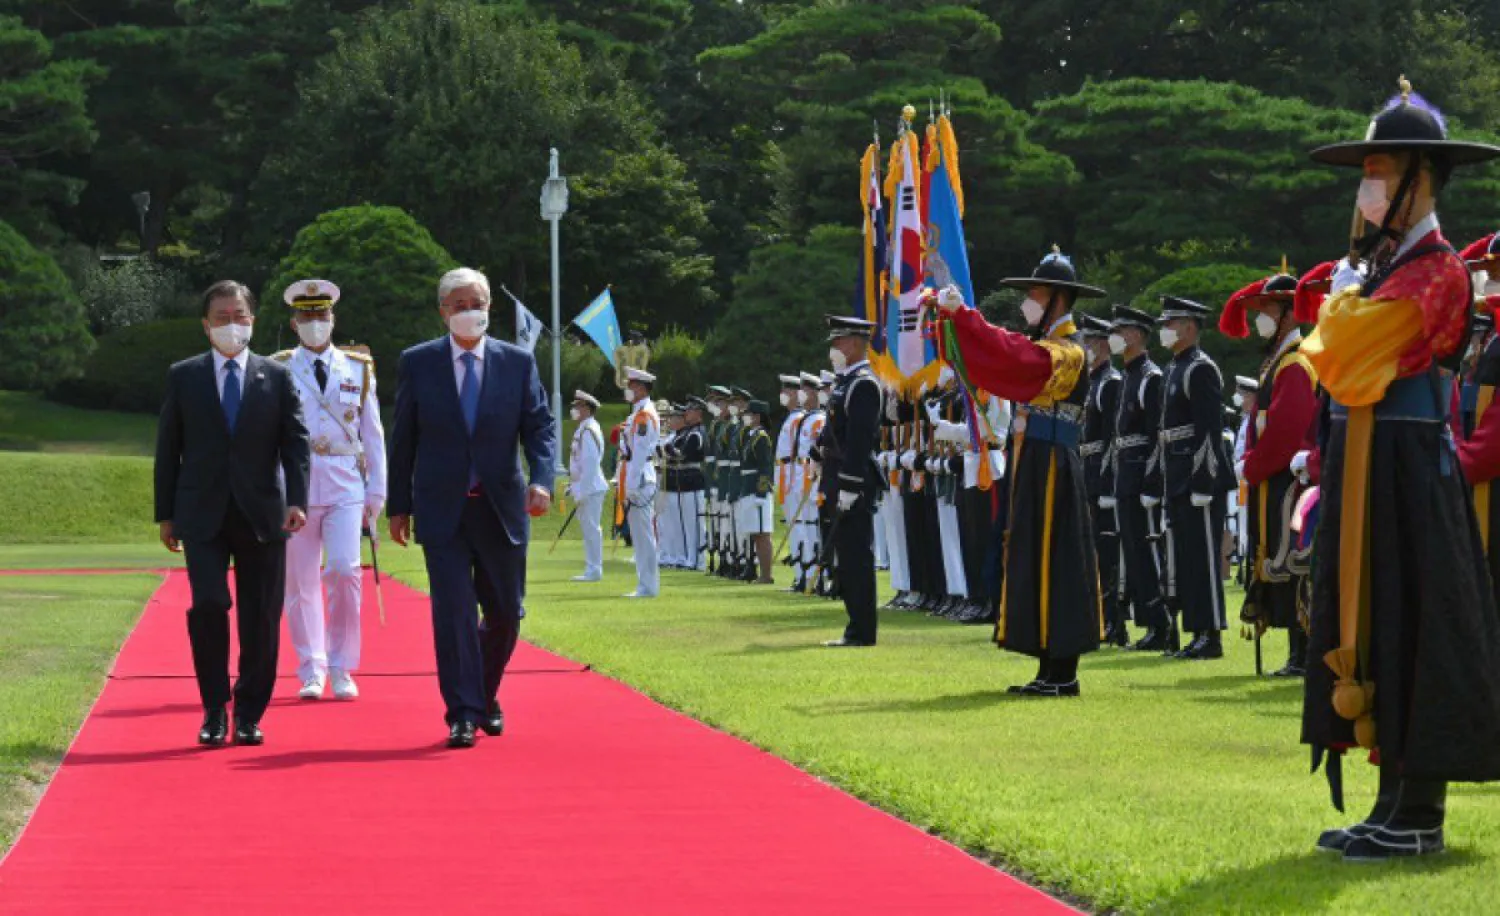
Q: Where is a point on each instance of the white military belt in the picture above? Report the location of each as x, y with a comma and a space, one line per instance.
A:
1177, 433
1089, 449
1136, 441
323, 445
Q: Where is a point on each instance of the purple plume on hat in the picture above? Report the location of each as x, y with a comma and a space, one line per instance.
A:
1416, 101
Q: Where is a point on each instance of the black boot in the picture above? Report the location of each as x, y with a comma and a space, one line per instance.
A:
1154, 641
1174, 640
1207, 645
1296, 654
1415, 827
1385, 802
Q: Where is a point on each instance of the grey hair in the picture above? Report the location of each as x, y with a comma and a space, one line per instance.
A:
458, 278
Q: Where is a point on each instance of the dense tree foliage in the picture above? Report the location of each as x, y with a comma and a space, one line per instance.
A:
43, 331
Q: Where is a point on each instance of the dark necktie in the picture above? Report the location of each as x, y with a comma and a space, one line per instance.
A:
320, 372
468, 402
231, 392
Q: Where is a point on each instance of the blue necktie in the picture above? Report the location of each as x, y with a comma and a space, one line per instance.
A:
231, 393
468, 402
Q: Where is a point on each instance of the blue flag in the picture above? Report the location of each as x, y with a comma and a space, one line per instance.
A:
599, 322
947, 256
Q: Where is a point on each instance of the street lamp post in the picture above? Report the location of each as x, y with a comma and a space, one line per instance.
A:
554, 205
142, 201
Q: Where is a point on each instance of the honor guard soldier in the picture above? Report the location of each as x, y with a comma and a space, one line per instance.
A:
638, 480
1103, 405
586, 483
757, 481
686, 455
1137, 427
803, 542
1282, 417
713, 435
846, 450
1049, 605
347, 491
786, 442
1191, 473
1404, 632
671, 532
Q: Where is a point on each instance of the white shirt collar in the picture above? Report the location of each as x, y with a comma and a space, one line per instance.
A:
458, 351
1421, 230
310, 357
241, 359
849, 369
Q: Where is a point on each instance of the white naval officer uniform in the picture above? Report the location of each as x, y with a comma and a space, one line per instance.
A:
347, 482
587, 486
638, 443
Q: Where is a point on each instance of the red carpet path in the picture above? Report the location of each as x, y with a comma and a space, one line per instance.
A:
597, 800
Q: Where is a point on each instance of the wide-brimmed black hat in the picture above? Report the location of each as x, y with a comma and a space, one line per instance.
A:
1407, 123
1125, 316
1173, 307
1091, 325
1056, 271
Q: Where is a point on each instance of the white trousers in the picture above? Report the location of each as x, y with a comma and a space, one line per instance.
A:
882, 549
320, 646
685, 514
589, 509
953, 554
669, 530
643, 538
895, 536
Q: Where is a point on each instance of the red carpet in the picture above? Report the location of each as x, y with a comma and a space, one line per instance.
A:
598, 800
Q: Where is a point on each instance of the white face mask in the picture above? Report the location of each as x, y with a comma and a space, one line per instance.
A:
1238, 399
822, 399
734, 411
714, 410
1168, 337
314, 334
745, 420
230, 339
837, 359
576, 414
786, 399
1116, 344
1265, 326
1372, 201
470, 324
1032, 311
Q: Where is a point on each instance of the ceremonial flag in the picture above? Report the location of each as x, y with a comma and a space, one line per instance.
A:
529, 328
869, 289
903, 315
947, 256
599, 322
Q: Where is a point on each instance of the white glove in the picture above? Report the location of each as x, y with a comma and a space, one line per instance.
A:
909, 461
847, 499
950, 299
1202, 499
1107, 502
373, 505
1150, 502
1346, 275
1239, 469
713, 493
934, 416
932, 465
1299, 462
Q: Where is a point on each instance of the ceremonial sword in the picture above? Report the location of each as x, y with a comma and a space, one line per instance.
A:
566, 522
375, 565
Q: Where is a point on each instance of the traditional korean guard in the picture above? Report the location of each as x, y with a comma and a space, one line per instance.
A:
1405, 638
638, 481
1049, 607
1191, 474
347, 491
849, 476
1137, 427
1281, 423
1101, 409
587, 484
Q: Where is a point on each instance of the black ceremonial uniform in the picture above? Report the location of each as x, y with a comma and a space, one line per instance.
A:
1105, 384
1196, 469
848, 452
685, 462
1137, 424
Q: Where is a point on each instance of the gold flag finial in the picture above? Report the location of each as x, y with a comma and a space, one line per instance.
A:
1285, 267
1056, 249
1405, 85
909, 113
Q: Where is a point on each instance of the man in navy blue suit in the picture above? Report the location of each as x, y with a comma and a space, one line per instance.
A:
466, 404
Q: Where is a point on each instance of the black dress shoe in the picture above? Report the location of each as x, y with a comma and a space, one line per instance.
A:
1016, 689
844, 642
248, 734
494, 722
1045, 689
1383, 843
461, 734
1155, 640
215, 730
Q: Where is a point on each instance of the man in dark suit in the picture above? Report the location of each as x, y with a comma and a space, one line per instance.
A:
465, 405
230, 422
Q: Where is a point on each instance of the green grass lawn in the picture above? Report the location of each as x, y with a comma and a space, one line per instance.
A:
58, 636
30, 424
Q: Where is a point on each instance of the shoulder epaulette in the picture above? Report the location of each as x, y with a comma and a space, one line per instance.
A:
283, 356
362, 357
